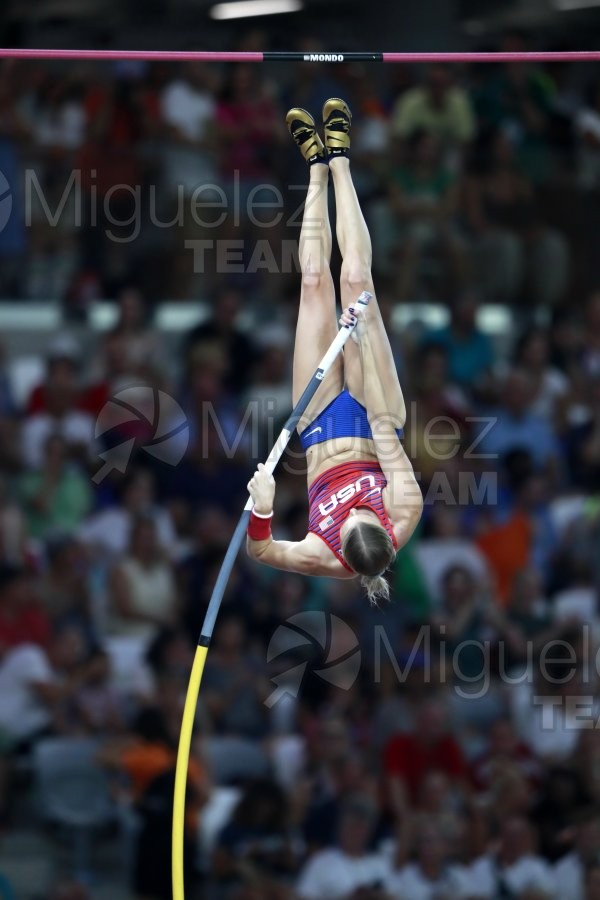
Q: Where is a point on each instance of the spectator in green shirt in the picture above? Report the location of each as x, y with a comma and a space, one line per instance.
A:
439, 107
57, 497
423, 201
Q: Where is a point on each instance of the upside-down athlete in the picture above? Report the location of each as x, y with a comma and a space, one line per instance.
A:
364, 501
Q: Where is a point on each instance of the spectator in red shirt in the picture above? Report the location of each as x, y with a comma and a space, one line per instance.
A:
409, 758
22, 620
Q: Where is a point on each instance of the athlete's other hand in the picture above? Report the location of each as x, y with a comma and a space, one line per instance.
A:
261, 488
354, 316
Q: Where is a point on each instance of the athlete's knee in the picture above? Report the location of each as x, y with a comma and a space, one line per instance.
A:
314, 269
357, 275
313, 283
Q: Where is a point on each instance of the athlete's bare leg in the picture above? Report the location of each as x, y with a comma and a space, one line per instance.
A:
355, 246
317, 320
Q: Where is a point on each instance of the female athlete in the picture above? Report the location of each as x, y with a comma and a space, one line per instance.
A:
364, 501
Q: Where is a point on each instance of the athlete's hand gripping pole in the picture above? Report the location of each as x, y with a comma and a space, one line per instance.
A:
189, 710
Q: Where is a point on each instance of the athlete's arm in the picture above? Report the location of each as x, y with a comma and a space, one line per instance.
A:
402, 497
306, 557
291, 556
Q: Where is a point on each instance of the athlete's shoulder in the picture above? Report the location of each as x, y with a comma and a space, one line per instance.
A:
323, 560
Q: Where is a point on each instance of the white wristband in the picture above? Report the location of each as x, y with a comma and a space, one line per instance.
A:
262, 515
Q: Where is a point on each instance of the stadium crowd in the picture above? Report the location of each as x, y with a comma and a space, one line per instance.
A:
461, 759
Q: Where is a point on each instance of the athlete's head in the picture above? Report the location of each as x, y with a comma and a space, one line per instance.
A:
368, 550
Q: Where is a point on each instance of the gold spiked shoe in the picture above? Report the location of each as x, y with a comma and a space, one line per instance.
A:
337, 119
302, 128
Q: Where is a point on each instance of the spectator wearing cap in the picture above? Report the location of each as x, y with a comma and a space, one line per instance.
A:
57, 495
54, 408
349, 868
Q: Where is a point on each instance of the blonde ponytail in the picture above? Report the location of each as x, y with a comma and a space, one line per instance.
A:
376, 587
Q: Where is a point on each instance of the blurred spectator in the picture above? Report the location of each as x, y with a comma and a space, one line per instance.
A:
430, 875
514, 426
37, 686
439, 107
527, 624
56, 496
54, 408
233, 700
445, 546
470, 351
13, 530
587, 128
462, 622
147, 759
515, 870
591, 339
408, 758
14, 140
345, 776
22, 618
258, 848
562, 796
64, 586
349, 869
223, 326
250, 131
134, 325
143, 590
517, 256
550, 385
108, 531
424, 203
504, 752
517, 98
570, 871
188, 110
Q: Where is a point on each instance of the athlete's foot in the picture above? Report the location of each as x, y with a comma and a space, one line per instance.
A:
302, 128
337, 119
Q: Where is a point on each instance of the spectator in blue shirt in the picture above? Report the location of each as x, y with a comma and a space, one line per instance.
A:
513, 426
470, 351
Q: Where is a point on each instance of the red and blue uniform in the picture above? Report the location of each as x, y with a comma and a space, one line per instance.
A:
338, 490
